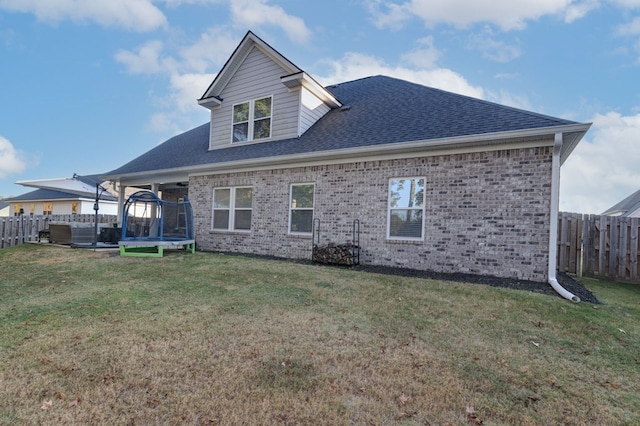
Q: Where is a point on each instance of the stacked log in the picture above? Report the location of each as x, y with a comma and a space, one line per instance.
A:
335, 254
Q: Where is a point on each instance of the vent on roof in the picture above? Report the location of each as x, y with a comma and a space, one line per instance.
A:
345, 108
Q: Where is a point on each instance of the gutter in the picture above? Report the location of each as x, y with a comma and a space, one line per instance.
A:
376, 152
553, 229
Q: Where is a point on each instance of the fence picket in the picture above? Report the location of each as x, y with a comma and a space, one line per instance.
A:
590, 245
633, 249
599, 246
15, 230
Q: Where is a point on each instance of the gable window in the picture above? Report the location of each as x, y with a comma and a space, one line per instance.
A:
232, 208
406, 208
252, 120
301, 208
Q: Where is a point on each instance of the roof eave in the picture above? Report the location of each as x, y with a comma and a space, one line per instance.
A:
394, 149
572, 138
210, 103
305, 80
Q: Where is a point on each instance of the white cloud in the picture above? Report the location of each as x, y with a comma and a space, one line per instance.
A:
506, 14
510, 99
424, 56
185, 69
145, 60
212, 49
136, 15
631, 28
11, 160
255, 13
629, 4
577, 10
603, 169
353, 66
187, 88
188, 66
418, 65
491, 48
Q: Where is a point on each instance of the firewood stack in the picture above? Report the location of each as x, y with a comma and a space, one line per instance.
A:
335, 254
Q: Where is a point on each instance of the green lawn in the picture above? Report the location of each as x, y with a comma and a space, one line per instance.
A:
207, 339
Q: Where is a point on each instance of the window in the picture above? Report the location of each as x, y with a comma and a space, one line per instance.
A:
47, 208
74, 208
232, 208
301, 213
252, 120
406, 208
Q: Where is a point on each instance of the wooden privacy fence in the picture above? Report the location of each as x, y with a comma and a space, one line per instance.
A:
599, 246
17, 230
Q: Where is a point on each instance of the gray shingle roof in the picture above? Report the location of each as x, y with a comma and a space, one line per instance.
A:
377, 111
626, 206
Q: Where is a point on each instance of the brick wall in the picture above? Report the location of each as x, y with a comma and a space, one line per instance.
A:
486, 213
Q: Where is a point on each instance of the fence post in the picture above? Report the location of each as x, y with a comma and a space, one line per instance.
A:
3, 222
633, 249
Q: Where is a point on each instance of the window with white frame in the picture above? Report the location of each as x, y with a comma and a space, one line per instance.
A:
252, 120
301, 208
232, 208
406, 208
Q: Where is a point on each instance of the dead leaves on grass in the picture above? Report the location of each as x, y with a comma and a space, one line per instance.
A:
472, 416
48, 404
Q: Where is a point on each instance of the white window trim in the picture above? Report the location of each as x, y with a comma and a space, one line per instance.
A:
301, 208
389, 208
251, 120
232, 209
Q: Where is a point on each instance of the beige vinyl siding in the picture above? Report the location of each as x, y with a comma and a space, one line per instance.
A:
257, 77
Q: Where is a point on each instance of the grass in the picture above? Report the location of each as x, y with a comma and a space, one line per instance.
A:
207, 339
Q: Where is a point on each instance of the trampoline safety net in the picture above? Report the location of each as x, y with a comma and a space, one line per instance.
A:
147, 217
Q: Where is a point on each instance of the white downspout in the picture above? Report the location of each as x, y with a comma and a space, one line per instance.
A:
553, 229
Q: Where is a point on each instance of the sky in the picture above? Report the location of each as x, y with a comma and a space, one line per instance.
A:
88, 85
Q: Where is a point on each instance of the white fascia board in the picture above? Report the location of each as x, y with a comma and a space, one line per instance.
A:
238, 57
343, 157
634, 212
148, 177
460, 144
463, 144
275, 56
569, 144
304, 80
210, 103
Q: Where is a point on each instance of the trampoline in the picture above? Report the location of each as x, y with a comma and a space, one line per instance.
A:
151, 225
